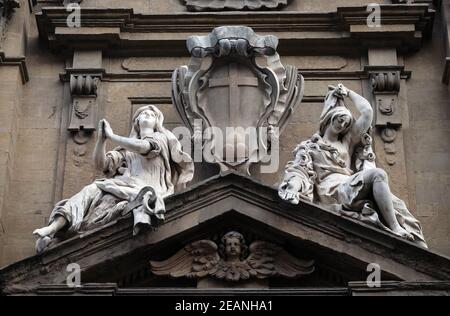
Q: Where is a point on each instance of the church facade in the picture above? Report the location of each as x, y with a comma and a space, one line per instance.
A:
77, 76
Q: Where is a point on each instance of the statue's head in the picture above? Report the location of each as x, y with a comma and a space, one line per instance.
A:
335, 117
233, 246
147, 117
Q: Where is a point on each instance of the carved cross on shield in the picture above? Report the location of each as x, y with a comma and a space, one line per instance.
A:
234, 81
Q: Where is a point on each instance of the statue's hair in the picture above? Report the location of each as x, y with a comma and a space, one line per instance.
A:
240, 237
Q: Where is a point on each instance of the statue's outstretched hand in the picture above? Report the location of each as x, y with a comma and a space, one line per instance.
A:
101, 131
107, 129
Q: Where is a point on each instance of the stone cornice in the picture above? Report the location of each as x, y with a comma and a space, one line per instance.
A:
17, 61
122, 32
353, 289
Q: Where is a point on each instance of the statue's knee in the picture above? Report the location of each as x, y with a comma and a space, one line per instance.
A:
380, 175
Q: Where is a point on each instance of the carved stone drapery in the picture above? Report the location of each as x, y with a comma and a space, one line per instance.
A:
232, 260
235, 80
217, 5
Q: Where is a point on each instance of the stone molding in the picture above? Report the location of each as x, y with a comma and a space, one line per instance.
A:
114, 30
17, 61
353, 289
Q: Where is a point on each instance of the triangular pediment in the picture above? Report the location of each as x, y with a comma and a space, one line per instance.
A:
341, 247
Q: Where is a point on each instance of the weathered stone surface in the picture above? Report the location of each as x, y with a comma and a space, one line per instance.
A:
314, 36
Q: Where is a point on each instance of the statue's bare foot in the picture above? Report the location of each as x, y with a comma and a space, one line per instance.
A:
43, 232
42, 244
401, 232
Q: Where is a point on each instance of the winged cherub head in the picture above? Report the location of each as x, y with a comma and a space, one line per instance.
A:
233, 247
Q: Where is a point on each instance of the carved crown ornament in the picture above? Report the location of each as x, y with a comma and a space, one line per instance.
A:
235, 80
232, 260
218, 5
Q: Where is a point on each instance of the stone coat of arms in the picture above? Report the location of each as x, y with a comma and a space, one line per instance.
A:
235, 95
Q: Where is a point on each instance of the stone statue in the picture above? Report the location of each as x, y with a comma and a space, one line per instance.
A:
232, 260
336, 168
236, 95
148, 166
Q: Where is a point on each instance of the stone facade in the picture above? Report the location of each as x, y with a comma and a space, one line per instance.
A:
134, 53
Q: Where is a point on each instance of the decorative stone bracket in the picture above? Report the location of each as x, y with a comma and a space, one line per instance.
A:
385, 83
83, 88
84, 78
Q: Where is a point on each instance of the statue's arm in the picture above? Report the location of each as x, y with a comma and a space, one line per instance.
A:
364, 122
132, 144
136, 145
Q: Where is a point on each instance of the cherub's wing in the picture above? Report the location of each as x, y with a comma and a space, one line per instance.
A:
197, 259
267, 259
